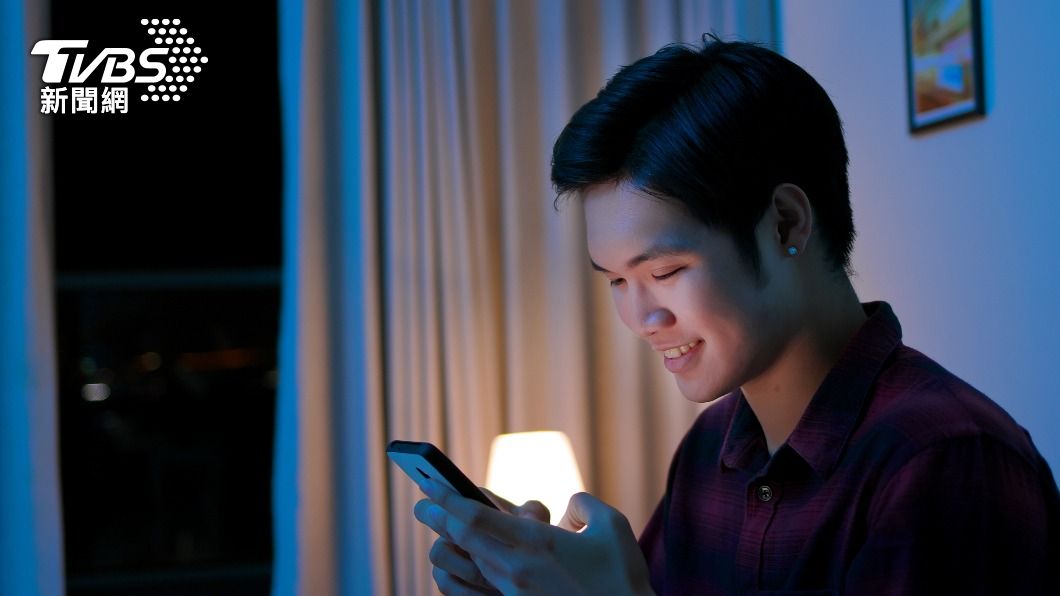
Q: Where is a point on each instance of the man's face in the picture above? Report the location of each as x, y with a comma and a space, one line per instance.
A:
684, 289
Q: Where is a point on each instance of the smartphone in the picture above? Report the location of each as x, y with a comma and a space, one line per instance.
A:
423, 460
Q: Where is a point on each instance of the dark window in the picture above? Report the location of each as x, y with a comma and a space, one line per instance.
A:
167, 227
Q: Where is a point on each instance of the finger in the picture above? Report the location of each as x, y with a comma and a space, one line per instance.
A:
574, 518
530, 509
504, 504
583, 509
424, 514
453, 530
456, 562
450, 585
476, 519
470, 539
534, 510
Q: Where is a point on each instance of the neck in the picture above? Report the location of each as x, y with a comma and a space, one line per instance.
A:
779, 395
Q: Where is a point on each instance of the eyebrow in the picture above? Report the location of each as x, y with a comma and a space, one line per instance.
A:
665, 248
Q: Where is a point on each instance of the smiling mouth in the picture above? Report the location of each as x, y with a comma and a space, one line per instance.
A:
679, 351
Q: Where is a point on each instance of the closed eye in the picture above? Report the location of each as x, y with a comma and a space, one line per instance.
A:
668, 275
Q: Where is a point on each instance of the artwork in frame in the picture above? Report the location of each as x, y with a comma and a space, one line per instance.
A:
944, 61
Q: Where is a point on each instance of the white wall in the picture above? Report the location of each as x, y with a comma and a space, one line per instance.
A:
958, 229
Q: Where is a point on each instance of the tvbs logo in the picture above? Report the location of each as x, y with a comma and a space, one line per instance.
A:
119, 63
173, 62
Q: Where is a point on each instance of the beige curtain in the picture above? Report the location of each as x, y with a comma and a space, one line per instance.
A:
476, 309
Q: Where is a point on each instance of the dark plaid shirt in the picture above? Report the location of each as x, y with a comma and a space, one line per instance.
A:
899, 479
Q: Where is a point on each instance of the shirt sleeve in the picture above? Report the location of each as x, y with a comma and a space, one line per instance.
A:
969, 516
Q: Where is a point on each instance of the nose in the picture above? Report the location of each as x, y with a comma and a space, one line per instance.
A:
641, 312
655, 319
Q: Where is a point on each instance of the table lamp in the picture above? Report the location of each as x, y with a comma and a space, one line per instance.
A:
534, 466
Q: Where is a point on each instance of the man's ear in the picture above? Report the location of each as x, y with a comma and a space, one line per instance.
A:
794, 217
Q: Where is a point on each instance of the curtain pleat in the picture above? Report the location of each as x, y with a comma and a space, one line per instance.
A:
303, 478
330, 484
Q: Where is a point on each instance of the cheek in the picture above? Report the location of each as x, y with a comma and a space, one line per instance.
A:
721, 315
624, 308
700, 304
740, 330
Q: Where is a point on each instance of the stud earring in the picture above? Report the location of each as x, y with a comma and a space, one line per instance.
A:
793, 251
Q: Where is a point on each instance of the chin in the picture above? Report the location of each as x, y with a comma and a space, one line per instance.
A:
700, 394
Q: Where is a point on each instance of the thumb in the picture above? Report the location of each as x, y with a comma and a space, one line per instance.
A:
583, 509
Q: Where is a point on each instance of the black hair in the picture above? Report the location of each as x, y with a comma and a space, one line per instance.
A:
715, 128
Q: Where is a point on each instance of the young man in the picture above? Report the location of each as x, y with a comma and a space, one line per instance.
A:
835, 458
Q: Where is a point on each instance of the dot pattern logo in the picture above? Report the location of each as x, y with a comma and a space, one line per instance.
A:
185, 60
167, 70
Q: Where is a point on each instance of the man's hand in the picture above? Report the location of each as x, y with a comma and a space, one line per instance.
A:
483, 551
453, 565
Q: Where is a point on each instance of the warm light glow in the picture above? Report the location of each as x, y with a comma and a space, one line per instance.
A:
534, 466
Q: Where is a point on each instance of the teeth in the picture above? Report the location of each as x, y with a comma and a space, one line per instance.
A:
680, 350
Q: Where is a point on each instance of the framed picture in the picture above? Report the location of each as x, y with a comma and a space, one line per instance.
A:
944, 61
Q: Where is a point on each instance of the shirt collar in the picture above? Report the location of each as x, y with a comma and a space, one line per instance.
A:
832, 413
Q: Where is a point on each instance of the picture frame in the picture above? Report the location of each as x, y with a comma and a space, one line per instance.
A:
944, 62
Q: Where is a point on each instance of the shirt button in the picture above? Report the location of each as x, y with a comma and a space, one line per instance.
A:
765, 493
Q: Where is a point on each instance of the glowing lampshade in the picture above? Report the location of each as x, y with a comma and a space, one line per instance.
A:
534, 466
